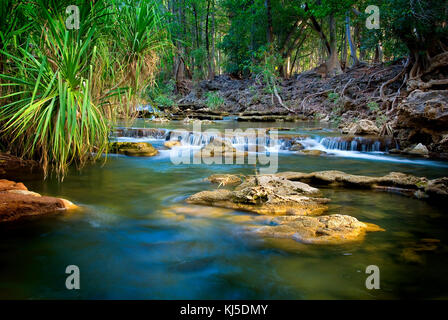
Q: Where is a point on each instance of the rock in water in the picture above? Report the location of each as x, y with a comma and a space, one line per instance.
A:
419, 150
419, 187
296, 146
266, 194
363, 127
334, 229
134, 149
220, 148
286, 210
312, 152
225, 179
172, 143
16, 201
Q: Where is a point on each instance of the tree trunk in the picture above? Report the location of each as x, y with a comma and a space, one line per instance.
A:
348, 36
269, 31
378, 53
212, 60
333, 65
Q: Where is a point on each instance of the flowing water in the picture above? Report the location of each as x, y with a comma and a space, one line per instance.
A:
136, 238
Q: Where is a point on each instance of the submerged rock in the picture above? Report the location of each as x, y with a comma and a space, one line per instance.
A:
265, 195
415, 252
134, 149
333, 229
313, 152
363, 127
16, 201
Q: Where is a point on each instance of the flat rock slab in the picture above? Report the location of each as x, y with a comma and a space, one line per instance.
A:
420, 187
16, 201
333, 229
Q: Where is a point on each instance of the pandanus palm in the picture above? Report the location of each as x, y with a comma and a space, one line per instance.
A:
48, 112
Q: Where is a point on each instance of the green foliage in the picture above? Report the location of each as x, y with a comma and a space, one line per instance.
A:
381, 120
60, 87
164, 101
214, 100
50, 111
373, 106
333, 97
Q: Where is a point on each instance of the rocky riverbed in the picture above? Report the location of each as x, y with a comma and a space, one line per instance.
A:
351, 100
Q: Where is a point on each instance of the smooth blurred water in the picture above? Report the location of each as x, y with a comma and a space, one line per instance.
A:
136, 238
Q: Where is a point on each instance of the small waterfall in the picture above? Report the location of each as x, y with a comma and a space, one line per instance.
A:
151, 133
362, 144
244, 141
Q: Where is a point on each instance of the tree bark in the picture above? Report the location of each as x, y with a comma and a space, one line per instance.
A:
348, 36
269, 31
333, 65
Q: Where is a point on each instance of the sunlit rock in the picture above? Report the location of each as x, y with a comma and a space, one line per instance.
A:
16, 201
362, 127
333, 229
225, 179
172, 143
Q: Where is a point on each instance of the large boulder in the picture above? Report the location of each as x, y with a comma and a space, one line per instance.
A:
268, 194
16, 201
362, 127
134, 149
333, 229
423, 118
418, 150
